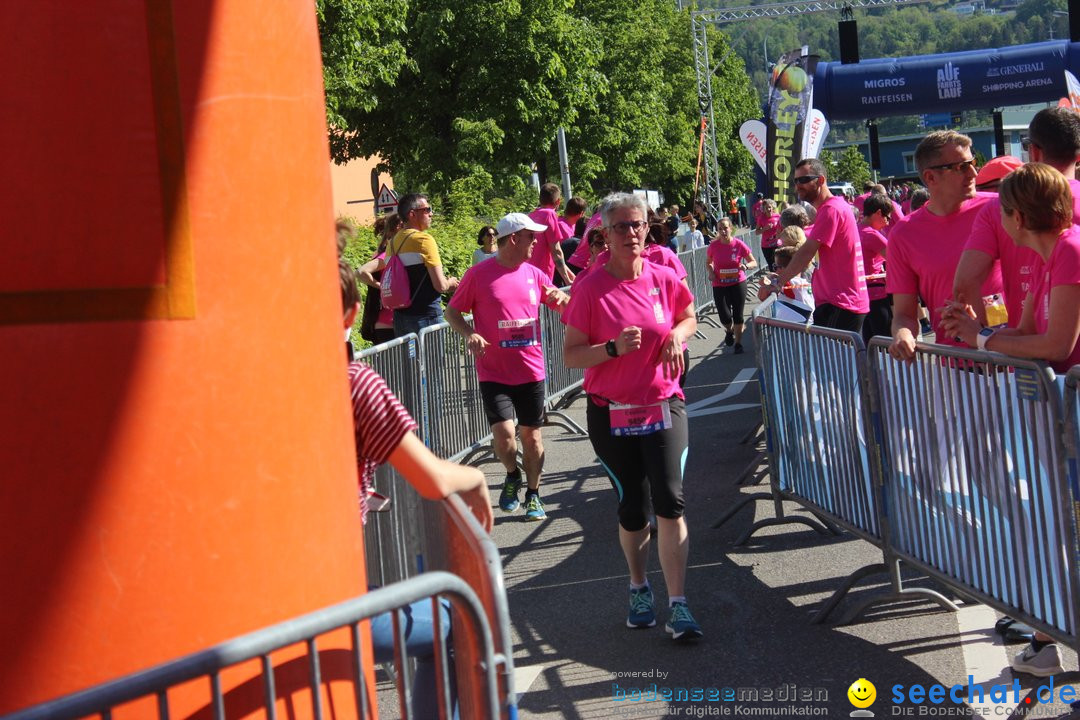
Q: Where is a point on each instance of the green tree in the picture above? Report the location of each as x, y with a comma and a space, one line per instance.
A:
829, 161
852, 166
482, 86
642, 130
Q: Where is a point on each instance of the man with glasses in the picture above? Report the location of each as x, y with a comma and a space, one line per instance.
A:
1053, 138
504, 296
925, 247
838, 283
420, 255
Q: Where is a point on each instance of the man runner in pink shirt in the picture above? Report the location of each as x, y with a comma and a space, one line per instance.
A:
548, 254
504, 294
925, 247
839, 284
1053, 138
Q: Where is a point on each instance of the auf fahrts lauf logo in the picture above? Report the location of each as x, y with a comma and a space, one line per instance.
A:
862, 694
948, 82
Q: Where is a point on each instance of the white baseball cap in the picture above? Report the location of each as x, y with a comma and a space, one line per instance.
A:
517, 221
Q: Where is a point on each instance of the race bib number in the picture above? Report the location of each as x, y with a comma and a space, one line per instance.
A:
727, 275
517, 333
629, 420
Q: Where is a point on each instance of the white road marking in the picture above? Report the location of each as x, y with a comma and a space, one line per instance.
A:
985, 657
524, 677
734, 388
723, 409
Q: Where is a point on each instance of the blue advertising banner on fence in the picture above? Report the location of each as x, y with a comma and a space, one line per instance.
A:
945, 83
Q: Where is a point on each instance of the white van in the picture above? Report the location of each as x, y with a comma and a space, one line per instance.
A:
842, 188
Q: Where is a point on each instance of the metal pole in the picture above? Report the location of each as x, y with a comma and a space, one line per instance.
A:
564, 163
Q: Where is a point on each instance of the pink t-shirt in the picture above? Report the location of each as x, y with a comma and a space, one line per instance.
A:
839, 278
770, 232
1063, 268
541, 255
660, 255
873, 244
924, 250
860, 200
505, 303
1017, 263
601, 306
580, 258
727, 257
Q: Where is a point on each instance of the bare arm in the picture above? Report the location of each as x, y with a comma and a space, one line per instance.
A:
474, 341
799, 262
435, 478
579, 353
905, 326
1055, 345
440, 282
971, 273
366, 272
560, 263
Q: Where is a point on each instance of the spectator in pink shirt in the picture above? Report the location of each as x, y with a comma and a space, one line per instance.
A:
925, 248
548, 254
838, 283
1054, 139
860, 200
504, 295
626, 324
876, 212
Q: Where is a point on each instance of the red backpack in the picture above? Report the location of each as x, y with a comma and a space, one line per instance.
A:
394, 285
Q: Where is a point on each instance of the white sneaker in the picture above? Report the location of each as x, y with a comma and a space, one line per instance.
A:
1044, 663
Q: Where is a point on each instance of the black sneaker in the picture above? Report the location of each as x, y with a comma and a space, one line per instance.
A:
729, 339
738, 349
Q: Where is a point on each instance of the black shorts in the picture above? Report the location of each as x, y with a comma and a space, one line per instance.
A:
501, 402
643, 466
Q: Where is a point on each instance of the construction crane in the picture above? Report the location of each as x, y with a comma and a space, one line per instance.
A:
709, 191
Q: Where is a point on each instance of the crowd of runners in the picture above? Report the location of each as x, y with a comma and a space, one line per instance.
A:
982, 257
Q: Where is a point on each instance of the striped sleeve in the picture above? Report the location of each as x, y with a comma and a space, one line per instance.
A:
379, 418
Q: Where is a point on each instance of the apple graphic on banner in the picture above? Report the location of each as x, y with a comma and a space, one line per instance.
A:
793, 79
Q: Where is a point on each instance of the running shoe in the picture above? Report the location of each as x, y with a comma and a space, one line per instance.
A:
738, 349
681, 623
1041, 663
729, 339
534, 508
508, 498
642, 614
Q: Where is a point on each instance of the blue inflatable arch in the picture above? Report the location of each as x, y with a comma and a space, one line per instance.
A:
948, 82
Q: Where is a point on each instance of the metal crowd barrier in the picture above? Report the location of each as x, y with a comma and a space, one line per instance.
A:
815, 413
562, 385
394, 543
455, 426
978, 492
314, 660
470, 553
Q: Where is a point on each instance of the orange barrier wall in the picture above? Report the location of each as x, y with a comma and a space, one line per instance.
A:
175, 448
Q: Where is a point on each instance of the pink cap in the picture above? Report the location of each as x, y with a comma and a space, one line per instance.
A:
996, 169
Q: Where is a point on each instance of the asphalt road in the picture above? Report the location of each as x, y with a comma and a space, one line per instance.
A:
761, 656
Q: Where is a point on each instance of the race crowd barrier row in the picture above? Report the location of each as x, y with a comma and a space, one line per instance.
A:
962, 464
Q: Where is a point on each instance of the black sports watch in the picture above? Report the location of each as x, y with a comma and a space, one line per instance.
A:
612, 351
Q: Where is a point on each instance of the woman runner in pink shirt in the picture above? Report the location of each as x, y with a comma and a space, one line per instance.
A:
727, 258
626, 324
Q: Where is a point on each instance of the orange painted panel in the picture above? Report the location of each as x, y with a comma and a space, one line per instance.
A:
168, 483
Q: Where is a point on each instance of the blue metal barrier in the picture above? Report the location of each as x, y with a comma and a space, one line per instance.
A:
976, 490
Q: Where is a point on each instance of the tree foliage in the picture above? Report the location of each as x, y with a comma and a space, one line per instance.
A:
852, 166
460, 97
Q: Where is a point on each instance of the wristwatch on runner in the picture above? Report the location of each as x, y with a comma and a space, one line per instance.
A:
984, 336
612, 351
